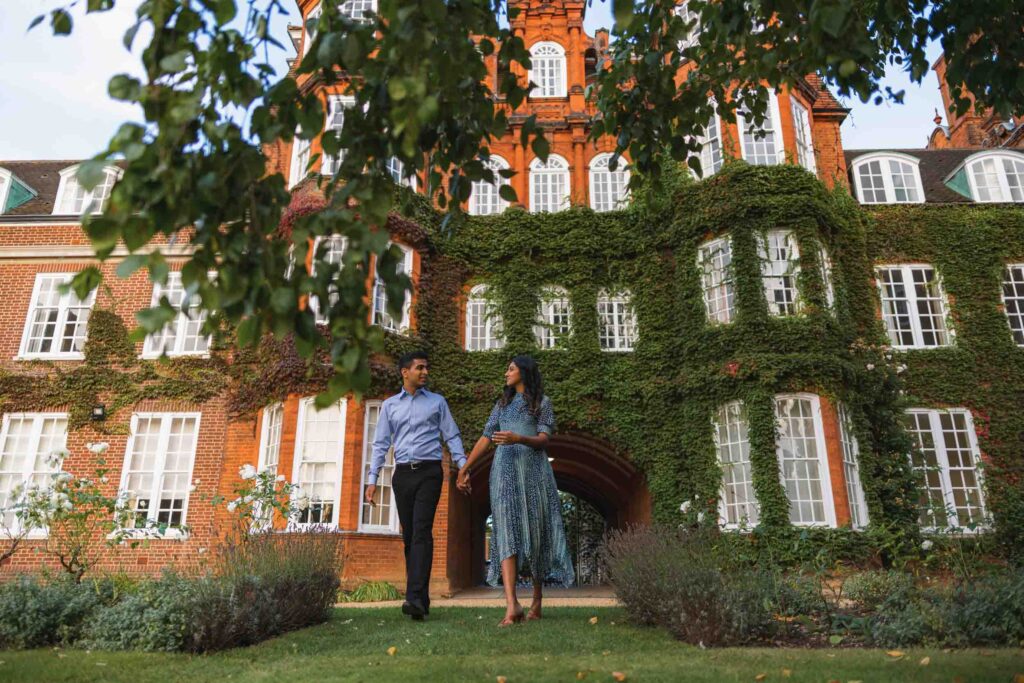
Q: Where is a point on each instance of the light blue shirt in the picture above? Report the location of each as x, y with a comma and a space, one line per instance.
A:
415, 424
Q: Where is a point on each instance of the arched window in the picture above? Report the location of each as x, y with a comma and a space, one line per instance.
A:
549, 184
547, 70
996, 176
887, 178
483, 323
762, 145
73, 198
484, 199
554, 317
608, 189
692, 20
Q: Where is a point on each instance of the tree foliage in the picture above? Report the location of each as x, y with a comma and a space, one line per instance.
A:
196, 170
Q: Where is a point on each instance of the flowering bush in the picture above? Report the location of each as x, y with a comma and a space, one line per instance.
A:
258, 496
74, 512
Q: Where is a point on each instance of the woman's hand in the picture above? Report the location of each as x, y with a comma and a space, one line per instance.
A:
505, 438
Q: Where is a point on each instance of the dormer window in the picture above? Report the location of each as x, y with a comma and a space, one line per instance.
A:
692, 19
547, 70
887, 179
996, 177
74, 199
357, 10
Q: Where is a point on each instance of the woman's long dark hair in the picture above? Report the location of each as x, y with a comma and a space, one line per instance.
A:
533, 385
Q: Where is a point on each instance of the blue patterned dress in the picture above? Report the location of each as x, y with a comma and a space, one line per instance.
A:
525, 508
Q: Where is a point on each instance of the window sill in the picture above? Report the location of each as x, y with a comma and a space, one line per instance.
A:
50, 356
128, 535
158, 356
381, 531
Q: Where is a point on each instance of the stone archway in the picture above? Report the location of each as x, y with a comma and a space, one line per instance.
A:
584, 466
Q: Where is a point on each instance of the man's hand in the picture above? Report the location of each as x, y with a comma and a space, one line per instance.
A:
371, 491
463, 481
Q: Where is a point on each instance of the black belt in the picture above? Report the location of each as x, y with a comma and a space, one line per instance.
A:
416, 464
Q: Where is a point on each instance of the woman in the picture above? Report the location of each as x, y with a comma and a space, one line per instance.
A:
527, 536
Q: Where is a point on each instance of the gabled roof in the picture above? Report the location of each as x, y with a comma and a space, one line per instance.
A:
935, 167
41, 176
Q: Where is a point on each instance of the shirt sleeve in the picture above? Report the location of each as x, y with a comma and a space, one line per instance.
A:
451, 435
382, 438
546, 418
492, 421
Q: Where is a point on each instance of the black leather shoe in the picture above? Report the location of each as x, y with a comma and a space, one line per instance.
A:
413, 610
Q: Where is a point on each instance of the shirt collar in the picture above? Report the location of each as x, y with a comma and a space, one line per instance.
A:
419, 392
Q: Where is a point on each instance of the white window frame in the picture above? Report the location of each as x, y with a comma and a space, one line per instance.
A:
821, 446
356, 9
6, 182
885, 161
68, 184
1013, 277
692, 38
392, 527
335, 254
166, 418
803, 135
774, 271
307, 35
621, 309
63, 306
1005, 187
712, 154
554, 318
484, 197
825, 270
379, 310
917, 332
604, 183
28, 470
334, 122
548, 179
396, 171
301, 152
553, 84
717, 279
305, 405
271, 428
154, 346
744, 463
773, 131
477, 304
942, 461
859, 518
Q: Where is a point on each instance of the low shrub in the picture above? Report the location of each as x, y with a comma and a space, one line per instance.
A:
670, 578
372, 591
157, 616
870, 589
36, 614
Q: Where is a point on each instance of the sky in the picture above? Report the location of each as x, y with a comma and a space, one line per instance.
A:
54, 102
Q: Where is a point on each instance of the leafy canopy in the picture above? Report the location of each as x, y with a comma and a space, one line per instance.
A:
213, 107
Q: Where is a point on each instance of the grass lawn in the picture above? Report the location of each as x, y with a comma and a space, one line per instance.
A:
463, 644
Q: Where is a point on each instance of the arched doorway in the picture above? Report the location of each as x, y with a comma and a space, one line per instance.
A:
585, 467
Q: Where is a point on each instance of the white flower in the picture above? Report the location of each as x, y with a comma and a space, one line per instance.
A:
232, 506
104, 479
685, 507
197, 482
63, 478
247, 499
247, 471
54, 459
700, 518
192, 488
67, 505
202, 551
279, 478
98, 448
900, 369
927, 545
870, 366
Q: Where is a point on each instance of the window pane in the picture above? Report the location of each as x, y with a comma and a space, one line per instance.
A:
800, 456
739, 504
780, 268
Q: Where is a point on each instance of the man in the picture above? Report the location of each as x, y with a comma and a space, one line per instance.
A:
414, 421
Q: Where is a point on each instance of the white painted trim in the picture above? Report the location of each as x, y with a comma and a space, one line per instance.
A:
392, 528
824, 473
981, 156
37, 428
773, 110
563, 85
304, 405
72, 171
890, 190
159, 471
62, 312
912, 299
81, 251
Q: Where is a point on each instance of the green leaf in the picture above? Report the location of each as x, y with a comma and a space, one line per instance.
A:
91, 172
60, 21
248, 330
175, 63
541, 147
130, 264
85, 281
623, 11
506, 192
125, 88
35, 22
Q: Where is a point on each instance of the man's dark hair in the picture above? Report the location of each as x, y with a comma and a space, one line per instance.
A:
406, 360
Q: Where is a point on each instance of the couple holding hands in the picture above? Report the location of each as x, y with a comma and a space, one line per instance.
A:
527, 537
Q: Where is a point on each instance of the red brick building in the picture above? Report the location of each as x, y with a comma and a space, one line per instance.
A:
181, 453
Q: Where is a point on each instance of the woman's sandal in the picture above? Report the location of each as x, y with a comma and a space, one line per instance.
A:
516, 619
531, 617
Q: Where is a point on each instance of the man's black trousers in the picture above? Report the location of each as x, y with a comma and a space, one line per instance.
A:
416, 494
